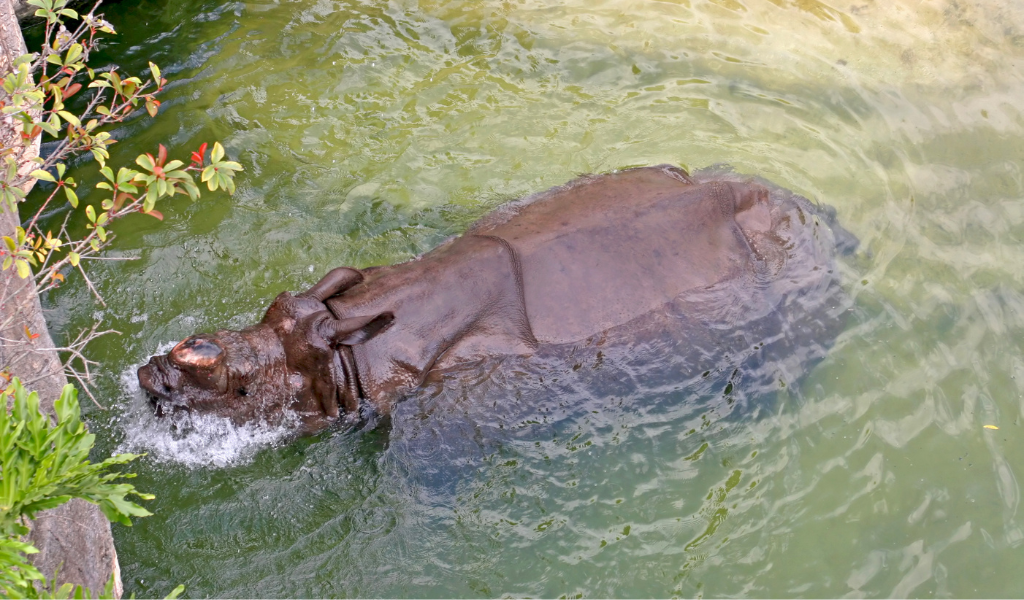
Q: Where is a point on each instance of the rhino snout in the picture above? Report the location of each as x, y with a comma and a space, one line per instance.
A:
160, 381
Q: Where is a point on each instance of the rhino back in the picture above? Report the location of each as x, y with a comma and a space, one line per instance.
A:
604, 250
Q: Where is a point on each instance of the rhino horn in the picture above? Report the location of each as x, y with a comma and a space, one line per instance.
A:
197, 351
354, 330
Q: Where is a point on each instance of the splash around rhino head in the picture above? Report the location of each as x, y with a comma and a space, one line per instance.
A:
297, 359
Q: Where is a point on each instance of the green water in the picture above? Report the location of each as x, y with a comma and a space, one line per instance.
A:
370, 131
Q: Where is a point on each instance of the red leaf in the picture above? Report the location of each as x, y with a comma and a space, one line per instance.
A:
156, 213
202, 150
162, 156
119, 200
29, 334
71, 90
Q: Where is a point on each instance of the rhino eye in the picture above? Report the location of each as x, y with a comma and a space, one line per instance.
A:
197, 352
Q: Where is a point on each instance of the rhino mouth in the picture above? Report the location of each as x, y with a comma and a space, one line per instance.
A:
154, 379
163, 407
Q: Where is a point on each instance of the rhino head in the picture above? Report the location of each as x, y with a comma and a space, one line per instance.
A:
298, 359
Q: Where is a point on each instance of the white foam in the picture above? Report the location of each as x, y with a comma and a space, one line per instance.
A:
190, 439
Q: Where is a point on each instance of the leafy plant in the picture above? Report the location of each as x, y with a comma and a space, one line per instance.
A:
43, 465
34, 94
36, 99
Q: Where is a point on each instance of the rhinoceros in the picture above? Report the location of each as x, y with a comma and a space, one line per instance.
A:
588, 262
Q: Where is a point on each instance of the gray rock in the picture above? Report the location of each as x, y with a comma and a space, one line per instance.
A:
75, 538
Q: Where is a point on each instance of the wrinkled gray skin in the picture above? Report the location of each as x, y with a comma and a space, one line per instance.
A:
571, 264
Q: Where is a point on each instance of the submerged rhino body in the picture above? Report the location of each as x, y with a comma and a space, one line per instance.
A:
595, 261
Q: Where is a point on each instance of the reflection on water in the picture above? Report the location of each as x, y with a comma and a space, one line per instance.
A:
372, 130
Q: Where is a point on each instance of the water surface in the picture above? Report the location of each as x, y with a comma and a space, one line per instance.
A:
370, 131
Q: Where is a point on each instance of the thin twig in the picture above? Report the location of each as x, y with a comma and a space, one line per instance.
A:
84, 385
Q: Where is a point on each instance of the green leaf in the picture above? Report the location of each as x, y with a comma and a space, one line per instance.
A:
145, 161
44, 175
49, 128
91, 213
218, 152
72, 196
175, 592
75, 51
193, 191
46, 504
73, 258
155, 70
23, 269
24, 59
70, 118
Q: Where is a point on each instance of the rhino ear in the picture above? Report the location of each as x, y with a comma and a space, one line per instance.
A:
333, 283
354, 330
281, 311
